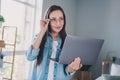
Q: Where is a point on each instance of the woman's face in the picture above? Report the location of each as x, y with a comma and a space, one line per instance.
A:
56, 21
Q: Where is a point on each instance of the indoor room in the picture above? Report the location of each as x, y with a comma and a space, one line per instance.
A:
20, 22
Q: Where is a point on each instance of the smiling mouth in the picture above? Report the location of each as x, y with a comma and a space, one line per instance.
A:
57, 27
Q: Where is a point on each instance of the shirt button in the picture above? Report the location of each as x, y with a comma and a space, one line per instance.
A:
54, 75
50, 47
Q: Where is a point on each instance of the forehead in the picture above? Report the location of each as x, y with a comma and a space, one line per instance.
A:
56, 14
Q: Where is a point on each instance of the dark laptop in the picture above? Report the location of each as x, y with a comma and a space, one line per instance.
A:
87, 49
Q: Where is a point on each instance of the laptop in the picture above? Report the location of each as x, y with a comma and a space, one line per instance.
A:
87, 49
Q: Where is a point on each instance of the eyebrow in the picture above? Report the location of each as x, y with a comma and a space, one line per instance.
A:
52, 18
59, 17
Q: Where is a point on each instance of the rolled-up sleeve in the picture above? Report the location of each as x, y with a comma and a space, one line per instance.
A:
32, 53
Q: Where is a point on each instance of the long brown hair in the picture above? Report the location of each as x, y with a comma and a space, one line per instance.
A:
62, 33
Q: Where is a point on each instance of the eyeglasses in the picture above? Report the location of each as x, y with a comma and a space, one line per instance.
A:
54, 20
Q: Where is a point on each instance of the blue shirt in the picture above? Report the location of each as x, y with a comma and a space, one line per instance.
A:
40, 72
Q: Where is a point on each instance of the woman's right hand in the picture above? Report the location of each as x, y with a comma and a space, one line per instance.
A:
44, 24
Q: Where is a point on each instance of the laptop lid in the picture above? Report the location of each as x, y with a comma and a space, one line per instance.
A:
87, 49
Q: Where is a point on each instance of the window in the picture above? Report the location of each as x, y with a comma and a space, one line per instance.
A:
25, 15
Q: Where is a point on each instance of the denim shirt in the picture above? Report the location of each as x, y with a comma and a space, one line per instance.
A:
40, 72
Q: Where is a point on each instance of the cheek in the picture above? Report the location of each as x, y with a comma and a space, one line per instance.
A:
52, 26
62, 23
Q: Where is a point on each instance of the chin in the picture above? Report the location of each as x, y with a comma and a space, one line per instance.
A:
57, 31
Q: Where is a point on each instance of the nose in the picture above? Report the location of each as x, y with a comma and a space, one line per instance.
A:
58, 22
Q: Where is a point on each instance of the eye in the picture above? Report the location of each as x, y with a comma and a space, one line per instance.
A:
53, 19
61, 18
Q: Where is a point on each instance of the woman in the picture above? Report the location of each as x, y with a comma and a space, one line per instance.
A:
48, 44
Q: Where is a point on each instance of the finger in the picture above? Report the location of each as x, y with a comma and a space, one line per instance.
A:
76, 65
47, 21
80, 65
42, 22
71, 66
78, 58
77, 61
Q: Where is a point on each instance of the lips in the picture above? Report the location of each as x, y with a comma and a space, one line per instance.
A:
57, 27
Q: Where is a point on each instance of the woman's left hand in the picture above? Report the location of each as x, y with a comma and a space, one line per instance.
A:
75, 65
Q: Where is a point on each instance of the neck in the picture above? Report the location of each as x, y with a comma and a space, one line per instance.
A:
54, 36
